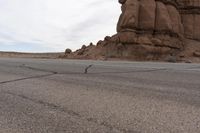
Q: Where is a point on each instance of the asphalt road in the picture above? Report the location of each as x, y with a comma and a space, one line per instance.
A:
55, 96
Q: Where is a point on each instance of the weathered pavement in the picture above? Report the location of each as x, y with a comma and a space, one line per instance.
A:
55, 96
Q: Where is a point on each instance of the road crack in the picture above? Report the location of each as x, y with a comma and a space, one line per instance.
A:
31, 77
37, 69
26, 78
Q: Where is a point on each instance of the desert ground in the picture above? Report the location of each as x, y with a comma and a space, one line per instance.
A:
30, 55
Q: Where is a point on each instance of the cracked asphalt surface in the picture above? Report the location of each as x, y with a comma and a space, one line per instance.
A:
56, 96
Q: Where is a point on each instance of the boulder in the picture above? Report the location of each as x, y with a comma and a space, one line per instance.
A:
68, 51
83, 47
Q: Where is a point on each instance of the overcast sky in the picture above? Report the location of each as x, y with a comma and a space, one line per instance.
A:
54, 25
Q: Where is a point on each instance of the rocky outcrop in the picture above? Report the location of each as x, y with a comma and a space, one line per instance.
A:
178, 17
150, 30
190, 12
191, 26
150, 16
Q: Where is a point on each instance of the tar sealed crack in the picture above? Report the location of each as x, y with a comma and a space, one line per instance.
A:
37, 69
31, 77
86, 69
26, 78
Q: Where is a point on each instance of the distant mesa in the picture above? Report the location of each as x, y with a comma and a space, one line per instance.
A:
150, 30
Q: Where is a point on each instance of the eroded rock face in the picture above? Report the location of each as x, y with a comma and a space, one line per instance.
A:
147, 15
190, 13
163, 21
129, 16
167, 21
163, 16
150, 15
175, 20
192, 26
150, 30
143, 21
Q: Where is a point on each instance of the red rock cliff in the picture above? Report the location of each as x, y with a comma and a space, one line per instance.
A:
150, 30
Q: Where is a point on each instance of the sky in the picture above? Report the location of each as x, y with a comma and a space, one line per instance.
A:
54, 25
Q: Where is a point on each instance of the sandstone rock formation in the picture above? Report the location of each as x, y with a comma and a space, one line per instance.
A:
150, 30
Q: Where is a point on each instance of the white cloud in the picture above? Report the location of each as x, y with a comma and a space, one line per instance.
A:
57, 24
